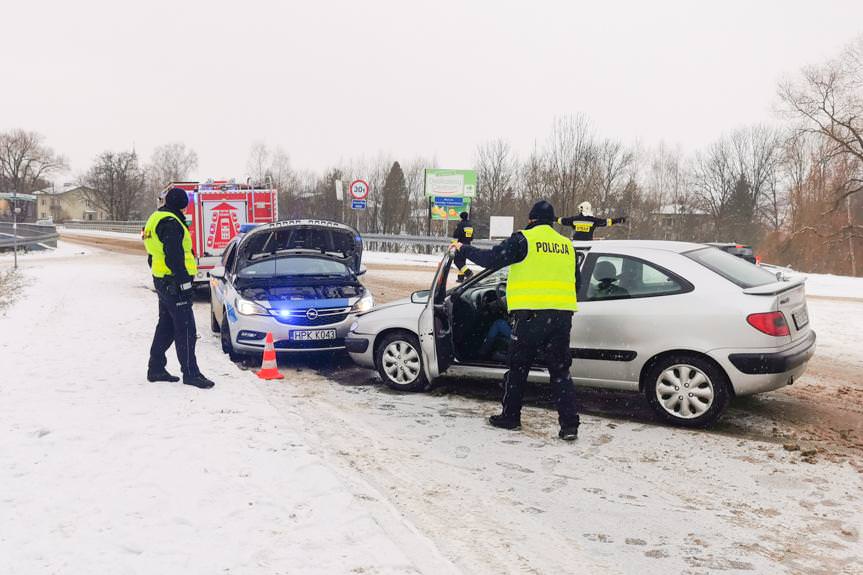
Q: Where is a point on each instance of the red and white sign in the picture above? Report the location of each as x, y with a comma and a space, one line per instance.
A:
359, 189
224, 223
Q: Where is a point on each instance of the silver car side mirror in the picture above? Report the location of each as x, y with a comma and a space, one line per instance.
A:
420, 296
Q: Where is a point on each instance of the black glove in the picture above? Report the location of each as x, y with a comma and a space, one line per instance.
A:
618, 221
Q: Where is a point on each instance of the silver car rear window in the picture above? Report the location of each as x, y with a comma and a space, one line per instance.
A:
731, 267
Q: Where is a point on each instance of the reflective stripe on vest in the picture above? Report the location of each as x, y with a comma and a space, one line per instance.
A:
156, 248
545, 279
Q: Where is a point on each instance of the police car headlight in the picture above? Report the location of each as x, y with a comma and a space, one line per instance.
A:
365, 303
245, 307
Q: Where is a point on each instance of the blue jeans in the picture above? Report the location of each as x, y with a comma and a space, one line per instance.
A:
500, 328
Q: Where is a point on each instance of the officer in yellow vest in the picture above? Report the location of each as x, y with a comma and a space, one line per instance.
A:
169, 248
541, 299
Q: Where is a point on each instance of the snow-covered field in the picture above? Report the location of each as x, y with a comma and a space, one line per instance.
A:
329, 472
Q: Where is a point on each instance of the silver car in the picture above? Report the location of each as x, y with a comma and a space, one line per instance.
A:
298, 280
688, 325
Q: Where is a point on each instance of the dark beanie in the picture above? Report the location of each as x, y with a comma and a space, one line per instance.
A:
177, 199
542, 211
464, 216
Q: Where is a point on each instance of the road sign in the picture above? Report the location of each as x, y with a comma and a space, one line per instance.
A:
359, 190
358, 204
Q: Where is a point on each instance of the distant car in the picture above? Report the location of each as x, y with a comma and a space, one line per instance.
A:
46, 222
298, 280
739, 250
687, 325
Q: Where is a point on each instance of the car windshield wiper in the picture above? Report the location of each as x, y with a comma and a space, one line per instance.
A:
260, 255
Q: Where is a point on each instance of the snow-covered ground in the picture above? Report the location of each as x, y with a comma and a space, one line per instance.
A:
328, 471
103, 472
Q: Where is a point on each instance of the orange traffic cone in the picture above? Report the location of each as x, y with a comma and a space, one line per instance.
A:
269, 369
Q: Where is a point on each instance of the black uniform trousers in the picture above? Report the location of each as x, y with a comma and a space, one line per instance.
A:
460, 261
547, 331
176, 325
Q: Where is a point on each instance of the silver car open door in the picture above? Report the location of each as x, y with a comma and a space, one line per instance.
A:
435, 324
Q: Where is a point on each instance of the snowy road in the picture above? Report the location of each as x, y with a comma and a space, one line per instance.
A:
330, 471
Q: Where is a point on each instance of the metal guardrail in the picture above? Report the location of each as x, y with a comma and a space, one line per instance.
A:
393, 243
128, 227
29, 235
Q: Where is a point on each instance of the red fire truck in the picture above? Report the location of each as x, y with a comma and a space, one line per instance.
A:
217, 210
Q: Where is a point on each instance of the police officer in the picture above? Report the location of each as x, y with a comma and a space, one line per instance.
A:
540, 295
464, 235
169, 248
584, 224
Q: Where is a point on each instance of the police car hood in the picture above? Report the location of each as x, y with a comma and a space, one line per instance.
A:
321, 238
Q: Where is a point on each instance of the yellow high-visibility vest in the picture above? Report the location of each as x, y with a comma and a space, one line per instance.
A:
545, 279
156, 248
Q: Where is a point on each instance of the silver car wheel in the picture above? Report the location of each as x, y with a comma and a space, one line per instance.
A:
401, 362
684, 391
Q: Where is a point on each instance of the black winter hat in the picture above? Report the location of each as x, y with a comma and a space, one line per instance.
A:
464, 216
177, 199
542, 211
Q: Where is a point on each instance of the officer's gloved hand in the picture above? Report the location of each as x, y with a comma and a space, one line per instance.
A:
618, 220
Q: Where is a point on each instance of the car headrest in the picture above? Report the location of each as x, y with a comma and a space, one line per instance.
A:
605, 270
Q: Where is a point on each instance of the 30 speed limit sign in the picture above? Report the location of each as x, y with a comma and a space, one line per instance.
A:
359, 189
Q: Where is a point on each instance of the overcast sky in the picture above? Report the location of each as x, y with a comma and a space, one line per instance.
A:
336, 80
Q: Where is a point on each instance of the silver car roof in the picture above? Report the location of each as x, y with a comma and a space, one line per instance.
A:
668, 246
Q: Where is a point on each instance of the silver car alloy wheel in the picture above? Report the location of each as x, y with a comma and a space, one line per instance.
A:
684, 391
401, 362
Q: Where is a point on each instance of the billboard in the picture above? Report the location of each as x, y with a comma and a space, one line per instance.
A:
450, 183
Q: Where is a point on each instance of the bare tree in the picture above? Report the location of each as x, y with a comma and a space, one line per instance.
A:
570, 157
168, 163
115, 184
496, 170
828, 100
26, 162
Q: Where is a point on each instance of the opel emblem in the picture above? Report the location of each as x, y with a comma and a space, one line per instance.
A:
311, 314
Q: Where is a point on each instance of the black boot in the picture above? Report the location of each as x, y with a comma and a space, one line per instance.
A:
198, 381
568, 433
505, 422
460, 278
468, 273
161, 376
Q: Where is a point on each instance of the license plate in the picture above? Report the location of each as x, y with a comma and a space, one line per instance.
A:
801, 318
312, 334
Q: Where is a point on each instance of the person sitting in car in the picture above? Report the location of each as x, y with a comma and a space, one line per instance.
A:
606, 274
499, 330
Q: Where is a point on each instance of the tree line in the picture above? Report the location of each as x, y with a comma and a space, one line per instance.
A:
791, 188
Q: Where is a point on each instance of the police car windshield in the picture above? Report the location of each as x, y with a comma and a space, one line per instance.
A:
294, 267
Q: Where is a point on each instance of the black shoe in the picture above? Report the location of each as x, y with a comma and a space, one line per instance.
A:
468, 274
459, 279
198, 381
568, 433
505, 422
161, 376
